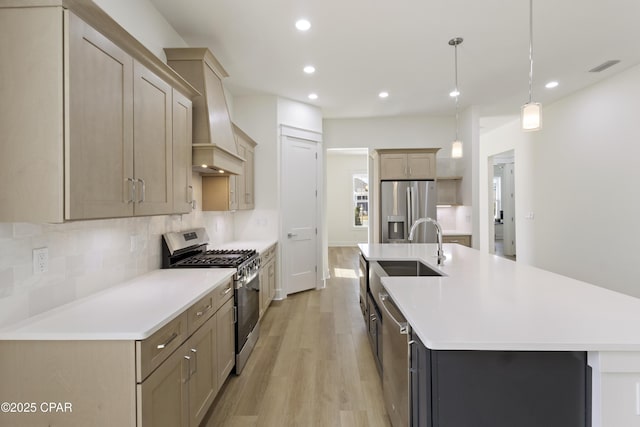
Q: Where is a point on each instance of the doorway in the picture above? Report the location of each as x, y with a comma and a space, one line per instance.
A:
347, 202
300, 207
503, 237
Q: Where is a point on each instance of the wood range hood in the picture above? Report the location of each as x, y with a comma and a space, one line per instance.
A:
214, 143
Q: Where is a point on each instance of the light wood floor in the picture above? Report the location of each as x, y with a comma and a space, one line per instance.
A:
312, 365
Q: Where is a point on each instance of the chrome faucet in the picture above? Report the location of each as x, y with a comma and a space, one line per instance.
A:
419, 221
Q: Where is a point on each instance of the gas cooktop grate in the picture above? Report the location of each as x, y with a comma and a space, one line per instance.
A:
218, 258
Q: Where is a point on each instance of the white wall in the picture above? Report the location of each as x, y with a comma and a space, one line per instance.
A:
143, 21
587, 205
391, 132
340, 210
257, 117
577, 176
299, 115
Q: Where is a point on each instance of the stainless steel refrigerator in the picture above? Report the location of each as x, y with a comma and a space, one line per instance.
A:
403, 202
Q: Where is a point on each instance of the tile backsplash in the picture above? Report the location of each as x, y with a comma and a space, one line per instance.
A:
86, 257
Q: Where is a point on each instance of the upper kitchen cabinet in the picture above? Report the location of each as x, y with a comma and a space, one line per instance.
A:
214, 145
182, 132
408, 164
99, 174
245, 181
448, 190
152, 143
71, 148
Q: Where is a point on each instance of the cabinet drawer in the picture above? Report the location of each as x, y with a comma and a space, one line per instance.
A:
268, 255
225, 292
155, 349
199, 312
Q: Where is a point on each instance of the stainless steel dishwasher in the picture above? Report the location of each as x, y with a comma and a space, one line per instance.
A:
395, 352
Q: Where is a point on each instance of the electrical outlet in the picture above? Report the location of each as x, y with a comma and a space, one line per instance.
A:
41, 260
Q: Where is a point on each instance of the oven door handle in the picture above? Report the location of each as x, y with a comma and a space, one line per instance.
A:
248, 280
403, 327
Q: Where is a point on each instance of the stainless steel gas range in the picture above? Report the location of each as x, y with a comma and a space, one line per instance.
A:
188, 249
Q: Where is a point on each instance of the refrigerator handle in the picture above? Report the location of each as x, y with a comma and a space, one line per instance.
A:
409, 212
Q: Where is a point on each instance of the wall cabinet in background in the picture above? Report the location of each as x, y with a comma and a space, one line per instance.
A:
245, 182
232, 192
408, 164
461, 239
219, 193
448, 190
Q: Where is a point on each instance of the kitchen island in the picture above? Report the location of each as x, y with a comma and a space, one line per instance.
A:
483, 302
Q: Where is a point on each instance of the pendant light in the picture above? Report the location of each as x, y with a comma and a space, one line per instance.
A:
456, 145
531, 113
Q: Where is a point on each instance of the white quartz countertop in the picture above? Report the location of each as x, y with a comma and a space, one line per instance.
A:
489, 303
133, 310
258, 245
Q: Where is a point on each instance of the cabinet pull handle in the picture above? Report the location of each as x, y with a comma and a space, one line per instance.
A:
200, 313
189, 194
187, 377
132, 190
410, 173
194, 353
235, 314
166, 343
226, 291
144, 190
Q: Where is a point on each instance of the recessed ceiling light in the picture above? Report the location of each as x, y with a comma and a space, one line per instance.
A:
313, 96
309, 69
303, 24
454, 93
383, 94
551, 85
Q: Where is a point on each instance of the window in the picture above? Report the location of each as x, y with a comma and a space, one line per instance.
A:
361, 200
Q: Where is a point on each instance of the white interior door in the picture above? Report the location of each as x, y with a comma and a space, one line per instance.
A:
299, 214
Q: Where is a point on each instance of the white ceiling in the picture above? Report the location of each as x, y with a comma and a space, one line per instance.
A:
360, 47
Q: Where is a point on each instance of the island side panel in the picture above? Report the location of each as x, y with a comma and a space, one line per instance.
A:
615, 388
71, 383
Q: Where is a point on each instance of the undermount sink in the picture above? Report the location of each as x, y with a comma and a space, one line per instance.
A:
407, 268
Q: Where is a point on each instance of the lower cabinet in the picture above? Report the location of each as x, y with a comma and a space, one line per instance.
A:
226, 341
451, 388
169, 379
268, 261
180, 391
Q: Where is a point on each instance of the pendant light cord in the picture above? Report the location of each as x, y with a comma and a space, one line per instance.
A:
455, 47
530, 50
